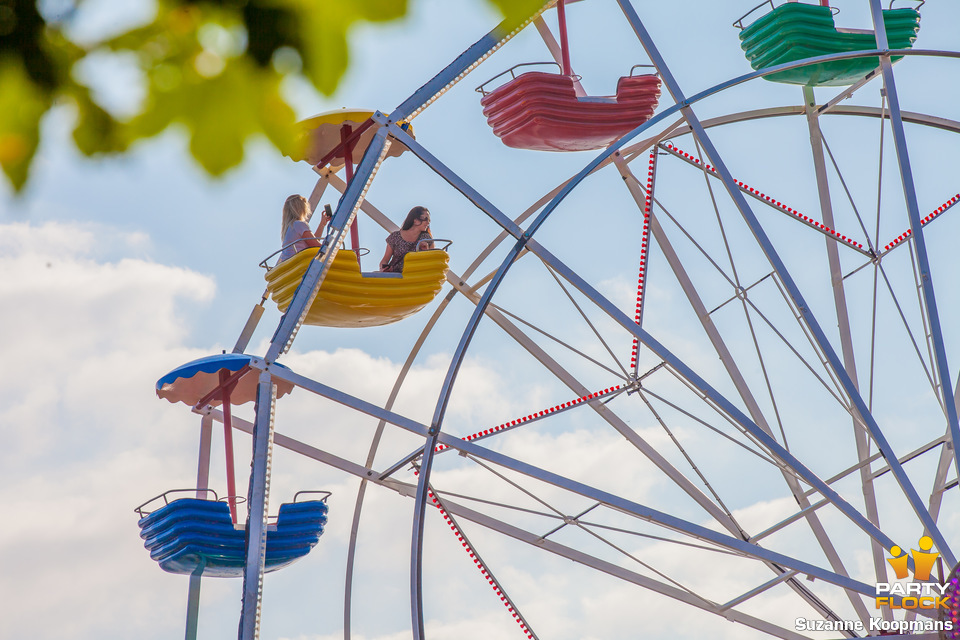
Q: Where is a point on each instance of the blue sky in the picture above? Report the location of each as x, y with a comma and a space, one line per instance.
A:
118, 269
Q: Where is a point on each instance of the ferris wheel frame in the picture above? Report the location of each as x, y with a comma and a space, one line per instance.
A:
353, 200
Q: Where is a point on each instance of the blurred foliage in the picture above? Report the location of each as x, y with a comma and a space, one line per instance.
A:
214, 67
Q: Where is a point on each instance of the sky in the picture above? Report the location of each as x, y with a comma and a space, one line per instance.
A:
116, 270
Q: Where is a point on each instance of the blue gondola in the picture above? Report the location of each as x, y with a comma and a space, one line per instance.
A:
197, 536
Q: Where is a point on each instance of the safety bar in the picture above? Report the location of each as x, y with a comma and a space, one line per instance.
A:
922, 2
323, 499
234, 499
362, 251
514, 76
434, 241
164, 495
739, 22
263, 263
656, 71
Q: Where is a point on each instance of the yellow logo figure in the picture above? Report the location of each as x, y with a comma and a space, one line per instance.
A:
922, 560
898, 562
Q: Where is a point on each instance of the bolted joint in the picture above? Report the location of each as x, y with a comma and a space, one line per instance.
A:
634, 385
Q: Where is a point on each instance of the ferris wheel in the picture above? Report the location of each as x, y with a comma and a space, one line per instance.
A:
758, 436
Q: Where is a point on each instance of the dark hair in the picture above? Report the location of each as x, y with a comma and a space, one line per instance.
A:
415, 214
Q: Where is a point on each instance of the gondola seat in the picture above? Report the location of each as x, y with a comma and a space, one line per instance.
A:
541, 111
349, 298
794, 31
191, 535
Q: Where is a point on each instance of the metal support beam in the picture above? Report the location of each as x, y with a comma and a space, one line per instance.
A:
556, 52
616, 502
534, 539
920, 244
843, 319
528, 537
341, 397
258, 498
483, 566
203, 483
203, 464
342, 218
801, 305
753, 407
459, 68
525, 241
786, 575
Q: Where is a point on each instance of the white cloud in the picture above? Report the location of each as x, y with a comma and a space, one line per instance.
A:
82, 337
87, 440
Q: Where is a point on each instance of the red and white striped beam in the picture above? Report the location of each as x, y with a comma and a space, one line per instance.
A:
644, 250
533, 417
776, 204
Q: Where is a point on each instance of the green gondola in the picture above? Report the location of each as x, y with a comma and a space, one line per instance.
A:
794, 31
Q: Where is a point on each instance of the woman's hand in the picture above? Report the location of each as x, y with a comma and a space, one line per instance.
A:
324, 219
387, 256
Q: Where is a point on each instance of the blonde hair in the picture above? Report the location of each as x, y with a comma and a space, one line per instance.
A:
295, 208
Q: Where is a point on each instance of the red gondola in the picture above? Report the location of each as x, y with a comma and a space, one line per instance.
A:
543, 111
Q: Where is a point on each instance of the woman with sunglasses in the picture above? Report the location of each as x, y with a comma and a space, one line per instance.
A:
414, 235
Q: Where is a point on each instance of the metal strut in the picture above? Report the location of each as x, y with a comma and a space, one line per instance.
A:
481, 565
923, 262
255, 547
788, 282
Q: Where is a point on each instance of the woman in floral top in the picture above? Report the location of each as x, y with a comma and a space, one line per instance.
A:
414, 232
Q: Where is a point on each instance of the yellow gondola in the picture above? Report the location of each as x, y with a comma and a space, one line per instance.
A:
348, 298
321, 138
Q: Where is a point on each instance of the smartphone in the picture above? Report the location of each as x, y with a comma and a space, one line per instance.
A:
327, 211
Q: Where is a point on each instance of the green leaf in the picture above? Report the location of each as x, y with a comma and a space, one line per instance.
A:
220, 112
324, 27
22, 105
221, 94
380, 10
96, 130
325, 56
516, 12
